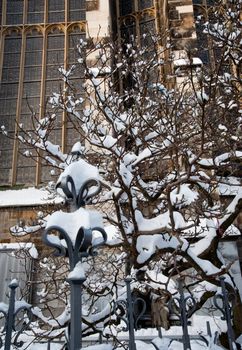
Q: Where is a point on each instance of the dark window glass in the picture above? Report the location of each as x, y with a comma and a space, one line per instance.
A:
28, 104
147, 28
56, 5
143, 4
74, 39
77, 15
35, 11
77, 10
11, 60
8, 106
52, 86
31, 89
5, 173
55, 41
34, 43
32, 73
76, 4
57, 16
34, 17
25, 169
55, 57
9, 88
14, 12
10, 74
12, 44
126, 7
15, 6
56, 11
52, 72
31, 58
36, 6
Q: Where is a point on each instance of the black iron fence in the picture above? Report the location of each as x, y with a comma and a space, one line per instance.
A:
132, 311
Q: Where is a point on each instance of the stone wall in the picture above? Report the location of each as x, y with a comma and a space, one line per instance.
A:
11, 216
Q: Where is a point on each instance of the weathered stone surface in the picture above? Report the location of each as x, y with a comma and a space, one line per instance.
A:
12, 216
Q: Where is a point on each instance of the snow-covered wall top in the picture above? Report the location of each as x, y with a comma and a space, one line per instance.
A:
27, 197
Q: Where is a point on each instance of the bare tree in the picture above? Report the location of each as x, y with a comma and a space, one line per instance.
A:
166, 157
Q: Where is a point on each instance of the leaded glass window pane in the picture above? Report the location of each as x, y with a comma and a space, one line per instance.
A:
8, 99
147, 28
56, 11
77, 10
55, 41
143, 4
8, 107
55, 57
14, 12
25, 173
31, 57
12, 44
10, 74
52, 86
8, 90
11, 60
32, 73
34, 43
31, 89
28, 104
74, 39
35, 11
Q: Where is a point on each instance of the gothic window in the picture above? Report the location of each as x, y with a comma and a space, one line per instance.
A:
8, 98
25, 84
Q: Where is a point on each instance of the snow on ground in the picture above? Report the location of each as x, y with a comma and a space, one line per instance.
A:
99, 347
44, 346
28, 197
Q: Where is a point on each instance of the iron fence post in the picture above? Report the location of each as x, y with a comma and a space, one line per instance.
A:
82, 247
132, 345
182, 302
226, 312
10, 315
76, 314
